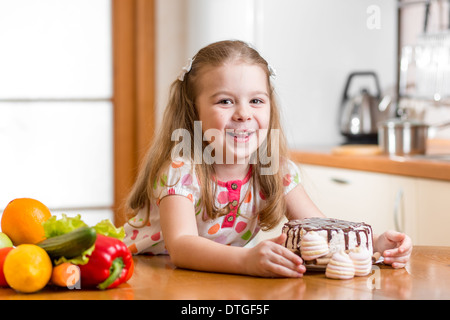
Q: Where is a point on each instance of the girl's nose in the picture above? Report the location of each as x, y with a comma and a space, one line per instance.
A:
242, 113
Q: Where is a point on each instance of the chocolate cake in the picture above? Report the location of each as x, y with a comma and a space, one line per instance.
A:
317, 239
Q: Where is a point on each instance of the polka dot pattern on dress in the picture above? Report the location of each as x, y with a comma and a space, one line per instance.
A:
241, 198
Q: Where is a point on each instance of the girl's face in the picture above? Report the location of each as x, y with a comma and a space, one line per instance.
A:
234, 109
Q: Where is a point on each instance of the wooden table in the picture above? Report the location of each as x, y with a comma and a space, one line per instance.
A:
427, 276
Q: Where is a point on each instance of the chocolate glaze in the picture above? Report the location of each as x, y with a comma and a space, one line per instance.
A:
329, 224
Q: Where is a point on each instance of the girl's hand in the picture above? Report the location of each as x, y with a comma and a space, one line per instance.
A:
395, 247
270, 259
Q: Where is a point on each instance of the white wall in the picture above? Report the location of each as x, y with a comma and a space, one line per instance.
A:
313, 45
213, 20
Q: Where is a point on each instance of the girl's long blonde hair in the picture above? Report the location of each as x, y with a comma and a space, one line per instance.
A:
181, 112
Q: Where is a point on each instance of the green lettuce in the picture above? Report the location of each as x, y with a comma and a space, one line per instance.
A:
80, 260
106, 228
55, 227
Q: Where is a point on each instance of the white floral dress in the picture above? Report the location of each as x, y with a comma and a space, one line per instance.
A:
236, 228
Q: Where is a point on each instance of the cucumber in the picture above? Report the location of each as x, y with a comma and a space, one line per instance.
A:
69, 245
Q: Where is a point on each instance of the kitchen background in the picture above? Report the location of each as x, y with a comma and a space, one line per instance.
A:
313, 45
57, 94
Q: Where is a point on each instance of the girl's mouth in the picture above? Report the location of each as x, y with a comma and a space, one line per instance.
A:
240, 136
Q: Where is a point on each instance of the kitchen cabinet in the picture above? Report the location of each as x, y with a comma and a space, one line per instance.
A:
416, 206
433, 205
384, 201
381, 200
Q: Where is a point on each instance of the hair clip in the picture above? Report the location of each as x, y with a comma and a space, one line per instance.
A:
272, 71
185, 69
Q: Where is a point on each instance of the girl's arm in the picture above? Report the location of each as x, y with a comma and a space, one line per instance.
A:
188, 250
299, 205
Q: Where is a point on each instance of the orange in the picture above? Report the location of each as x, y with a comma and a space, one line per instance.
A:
22, 220
27, 268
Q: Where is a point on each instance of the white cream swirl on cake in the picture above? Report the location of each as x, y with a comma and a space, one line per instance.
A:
362, 259
338, 235
340, 267
313, 246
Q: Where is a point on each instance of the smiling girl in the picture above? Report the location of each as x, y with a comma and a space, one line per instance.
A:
202, 212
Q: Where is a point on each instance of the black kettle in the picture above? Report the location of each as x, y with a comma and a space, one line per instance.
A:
360, 114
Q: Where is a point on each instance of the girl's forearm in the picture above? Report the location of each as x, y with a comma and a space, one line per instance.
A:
197, 253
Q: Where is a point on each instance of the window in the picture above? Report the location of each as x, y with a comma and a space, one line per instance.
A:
56, 110
76, 102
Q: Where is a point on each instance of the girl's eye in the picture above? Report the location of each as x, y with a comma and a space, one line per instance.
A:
225, 101
256, 101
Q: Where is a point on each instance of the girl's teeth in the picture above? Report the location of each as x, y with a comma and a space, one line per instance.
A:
241, 136
245, 133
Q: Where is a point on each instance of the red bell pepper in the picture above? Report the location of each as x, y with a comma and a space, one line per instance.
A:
110, 264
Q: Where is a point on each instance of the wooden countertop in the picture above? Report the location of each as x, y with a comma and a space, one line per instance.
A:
406, 166
426, 276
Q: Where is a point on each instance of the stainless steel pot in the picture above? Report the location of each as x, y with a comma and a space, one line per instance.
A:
405, 137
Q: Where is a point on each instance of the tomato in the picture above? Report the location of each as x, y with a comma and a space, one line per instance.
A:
3, 253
